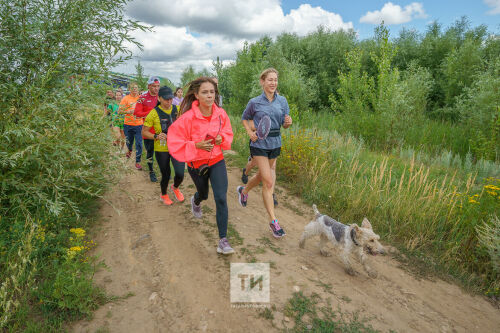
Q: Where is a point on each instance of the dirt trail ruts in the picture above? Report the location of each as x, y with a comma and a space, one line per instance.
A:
167, 259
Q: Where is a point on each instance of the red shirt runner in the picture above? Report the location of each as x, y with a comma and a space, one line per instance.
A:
144, 105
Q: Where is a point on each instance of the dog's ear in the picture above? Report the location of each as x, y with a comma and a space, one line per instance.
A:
366, 224
356, 228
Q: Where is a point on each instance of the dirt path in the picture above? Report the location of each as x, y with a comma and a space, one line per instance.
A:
167, 259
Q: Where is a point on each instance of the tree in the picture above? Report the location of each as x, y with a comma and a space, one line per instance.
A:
45, 40
142, 81
53, 156
188, 75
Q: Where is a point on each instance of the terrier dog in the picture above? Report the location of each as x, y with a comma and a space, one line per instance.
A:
352, 239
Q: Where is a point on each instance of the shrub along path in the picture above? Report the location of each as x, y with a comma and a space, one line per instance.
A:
167, 260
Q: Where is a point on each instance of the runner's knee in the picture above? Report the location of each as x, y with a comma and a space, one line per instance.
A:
267, 182
220, 199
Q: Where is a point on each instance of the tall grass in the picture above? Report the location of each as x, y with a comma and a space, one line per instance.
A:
430, 142
55, 163
432, 209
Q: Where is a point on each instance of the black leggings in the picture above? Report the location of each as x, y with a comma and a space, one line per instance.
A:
218, 179
149, 144
163, 159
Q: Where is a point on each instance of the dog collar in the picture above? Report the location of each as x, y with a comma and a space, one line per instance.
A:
353, 233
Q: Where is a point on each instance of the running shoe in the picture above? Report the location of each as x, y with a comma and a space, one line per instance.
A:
166, 200
242, 198
127, 154
244, 177
277, 231
138, 166
177, 193
224, 247
152, 177
196, 209
275, 200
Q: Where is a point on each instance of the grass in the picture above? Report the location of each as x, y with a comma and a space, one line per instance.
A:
327, 287
312, 314
234, 236
266, 313
250, 251
270, 245
103, 329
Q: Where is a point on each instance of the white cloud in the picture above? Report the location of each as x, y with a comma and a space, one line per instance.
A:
196, 32
235, 18
306, 19
394, 14
495, 6
168, 50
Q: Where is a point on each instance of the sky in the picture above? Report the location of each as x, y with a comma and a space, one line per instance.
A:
196, 32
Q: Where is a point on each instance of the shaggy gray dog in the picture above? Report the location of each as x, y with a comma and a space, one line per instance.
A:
350, 238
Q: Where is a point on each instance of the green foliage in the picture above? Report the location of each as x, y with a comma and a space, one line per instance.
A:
312, 314
489, 238
380, 109
292, 84
479, 110
322, 55
69, 291
384, 91
54, 156
166, 82
459, 68
189, 74
19, 270
387, 76
244, 75
356, 91
414, 89
141, 80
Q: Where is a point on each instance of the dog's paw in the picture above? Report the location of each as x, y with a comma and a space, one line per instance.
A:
373, 274
325, 253
350, 271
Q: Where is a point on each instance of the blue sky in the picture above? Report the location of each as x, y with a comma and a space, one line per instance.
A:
444, 11
196, 32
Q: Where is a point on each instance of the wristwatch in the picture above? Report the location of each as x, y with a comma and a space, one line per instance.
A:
156, 136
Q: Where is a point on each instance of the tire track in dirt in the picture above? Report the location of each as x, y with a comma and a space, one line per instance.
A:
167, 259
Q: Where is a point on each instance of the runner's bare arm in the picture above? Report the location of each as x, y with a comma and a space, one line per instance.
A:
148, 135
248, 124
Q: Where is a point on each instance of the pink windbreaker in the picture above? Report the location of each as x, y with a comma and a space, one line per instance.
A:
192, 127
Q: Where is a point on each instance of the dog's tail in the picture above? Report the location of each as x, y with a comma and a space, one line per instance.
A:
316, 211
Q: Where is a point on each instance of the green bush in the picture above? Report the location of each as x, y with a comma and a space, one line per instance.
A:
54, 154
479, 109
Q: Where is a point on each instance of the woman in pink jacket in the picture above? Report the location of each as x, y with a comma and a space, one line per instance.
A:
198, 137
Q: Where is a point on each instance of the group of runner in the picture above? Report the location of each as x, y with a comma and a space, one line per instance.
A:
195, 130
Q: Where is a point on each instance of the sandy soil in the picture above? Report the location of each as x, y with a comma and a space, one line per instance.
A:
167, 259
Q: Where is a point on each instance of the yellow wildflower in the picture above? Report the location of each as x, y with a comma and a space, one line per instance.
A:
79, 232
